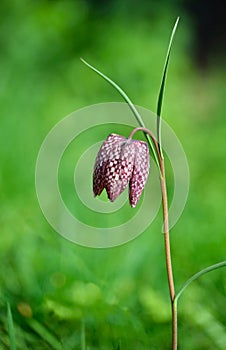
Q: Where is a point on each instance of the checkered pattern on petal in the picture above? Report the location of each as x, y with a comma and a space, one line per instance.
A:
140, 172
120, 162
106, 152
119, 168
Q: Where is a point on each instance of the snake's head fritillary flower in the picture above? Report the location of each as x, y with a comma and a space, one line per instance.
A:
120, 162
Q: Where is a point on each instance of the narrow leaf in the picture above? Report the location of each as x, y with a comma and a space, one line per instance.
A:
198, 274
11, 328
130, 104
162, 86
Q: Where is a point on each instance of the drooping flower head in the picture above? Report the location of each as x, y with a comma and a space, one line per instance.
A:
120, 162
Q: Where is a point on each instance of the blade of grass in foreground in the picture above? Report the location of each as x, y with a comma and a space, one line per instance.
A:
10, 328
45, 334
83, 335
162, 86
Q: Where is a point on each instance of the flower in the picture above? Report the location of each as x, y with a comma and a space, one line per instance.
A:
120, 162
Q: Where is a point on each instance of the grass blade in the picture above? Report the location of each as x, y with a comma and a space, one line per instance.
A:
11, 328
45, 334
162, 86
83, 335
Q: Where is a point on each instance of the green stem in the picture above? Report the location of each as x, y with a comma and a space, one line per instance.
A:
164, 196
169, 268
174, 324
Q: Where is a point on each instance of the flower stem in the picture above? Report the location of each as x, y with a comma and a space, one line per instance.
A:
168, 256
166, 231
169, 267
147, 131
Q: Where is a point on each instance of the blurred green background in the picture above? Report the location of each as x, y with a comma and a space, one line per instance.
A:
68, 297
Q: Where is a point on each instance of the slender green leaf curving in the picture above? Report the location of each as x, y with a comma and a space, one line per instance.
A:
162, 86
198, 274
130, 104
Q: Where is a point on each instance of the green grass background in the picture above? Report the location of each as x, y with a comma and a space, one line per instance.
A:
64, 296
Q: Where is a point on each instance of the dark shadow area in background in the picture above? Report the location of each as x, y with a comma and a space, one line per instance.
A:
210, 30
207, 20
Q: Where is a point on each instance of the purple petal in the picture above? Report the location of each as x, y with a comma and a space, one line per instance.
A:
140, 172
102, 159
119, 168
